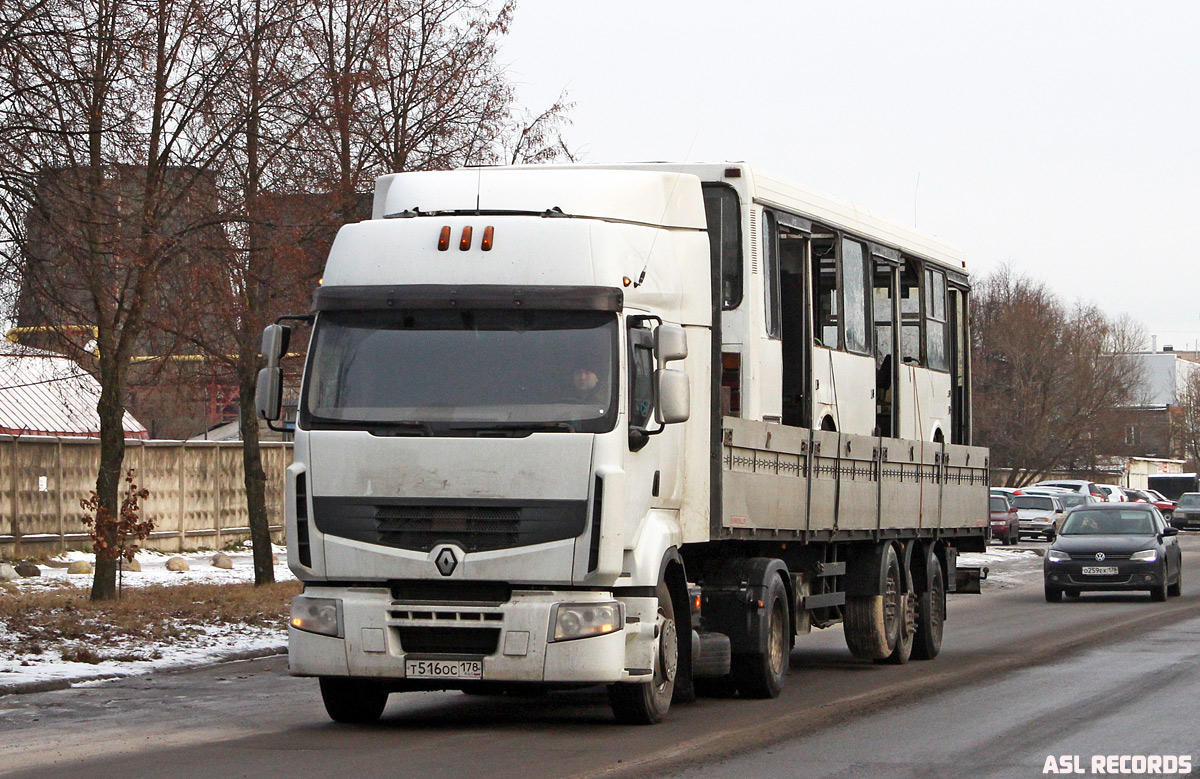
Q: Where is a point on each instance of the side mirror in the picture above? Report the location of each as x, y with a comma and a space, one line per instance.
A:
670, 343
674, 396
1058, 511
1170, 531
268, 396
275, 343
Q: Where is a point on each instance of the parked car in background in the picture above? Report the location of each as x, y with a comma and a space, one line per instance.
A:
1039, 515
1068, 499
1114, 546
1006, 492
1167, 507
1112, 493
1082, 486
1003, 518
1187, 511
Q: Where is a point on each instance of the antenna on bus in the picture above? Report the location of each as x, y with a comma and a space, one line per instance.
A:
917, 187
687, 155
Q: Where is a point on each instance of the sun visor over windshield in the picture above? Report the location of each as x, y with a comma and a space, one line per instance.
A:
441, 296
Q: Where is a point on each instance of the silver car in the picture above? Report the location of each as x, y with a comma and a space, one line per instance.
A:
1039, 514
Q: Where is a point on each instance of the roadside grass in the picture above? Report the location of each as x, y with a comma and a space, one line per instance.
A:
139, 626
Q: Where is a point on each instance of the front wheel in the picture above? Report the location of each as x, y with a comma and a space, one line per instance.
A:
1176, 589
1159, 593
645, 703
1053, 594
352, 701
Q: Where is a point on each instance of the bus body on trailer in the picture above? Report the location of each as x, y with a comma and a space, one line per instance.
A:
629, 425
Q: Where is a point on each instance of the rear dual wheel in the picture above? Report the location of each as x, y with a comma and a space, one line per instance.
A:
931, 611
872, 622
761, 674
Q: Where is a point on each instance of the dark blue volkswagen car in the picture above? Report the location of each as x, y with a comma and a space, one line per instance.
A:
1114, 546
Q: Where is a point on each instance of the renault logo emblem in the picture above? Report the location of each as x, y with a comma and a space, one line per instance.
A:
446, 561
1099, 556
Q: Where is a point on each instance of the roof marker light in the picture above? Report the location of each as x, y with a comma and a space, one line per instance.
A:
488, 233
465, 243
444, 239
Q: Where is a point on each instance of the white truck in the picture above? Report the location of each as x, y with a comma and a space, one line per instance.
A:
639, 426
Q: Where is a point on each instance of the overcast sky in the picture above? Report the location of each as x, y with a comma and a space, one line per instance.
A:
1062, 138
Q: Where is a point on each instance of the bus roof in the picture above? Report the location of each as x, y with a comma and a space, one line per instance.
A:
765, 188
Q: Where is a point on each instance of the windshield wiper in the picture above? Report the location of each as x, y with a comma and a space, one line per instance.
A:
532, 427
407, 427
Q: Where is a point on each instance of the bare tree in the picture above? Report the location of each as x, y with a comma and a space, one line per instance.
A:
1046, 376
1185, 419
115, 170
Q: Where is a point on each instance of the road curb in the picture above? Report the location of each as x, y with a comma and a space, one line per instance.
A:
53, 685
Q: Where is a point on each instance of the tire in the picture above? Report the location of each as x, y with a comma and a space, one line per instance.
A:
872, 623
352, 701
931, 612
646, 703
1053, 594
902, 652
761, 674
1176, 589
1159, 593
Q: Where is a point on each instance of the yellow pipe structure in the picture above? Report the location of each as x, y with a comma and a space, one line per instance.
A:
14, 336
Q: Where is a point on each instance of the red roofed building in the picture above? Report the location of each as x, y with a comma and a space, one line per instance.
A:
42, 393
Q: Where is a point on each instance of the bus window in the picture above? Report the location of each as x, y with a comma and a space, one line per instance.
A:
825, 292
910, 315
771, 273
885, 396
856, 303
725, 241
792, 251
935, 332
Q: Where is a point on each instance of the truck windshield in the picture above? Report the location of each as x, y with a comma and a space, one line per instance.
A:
449, 372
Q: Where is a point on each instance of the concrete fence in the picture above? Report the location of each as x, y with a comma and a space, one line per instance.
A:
197, 499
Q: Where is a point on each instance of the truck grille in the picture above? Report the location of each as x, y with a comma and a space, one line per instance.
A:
476, 526
449, 641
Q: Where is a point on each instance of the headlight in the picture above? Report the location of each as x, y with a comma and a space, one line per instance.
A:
317, 615
1057, 556
1146, 555
581, 620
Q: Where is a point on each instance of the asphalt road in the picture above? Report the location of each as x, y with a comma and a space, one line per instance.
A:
1018, 679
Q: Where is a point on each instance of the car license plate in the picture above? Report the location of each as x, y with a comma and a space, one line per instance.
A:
443, 669
1099, 570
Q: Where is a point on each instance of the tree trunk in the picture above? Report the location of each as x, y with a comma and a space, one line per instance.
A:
255, 480
108, 479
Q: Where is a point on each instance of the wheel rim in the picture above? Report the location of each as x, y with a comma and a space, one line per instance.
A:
891, 600
775, 644
936, 605
668, 654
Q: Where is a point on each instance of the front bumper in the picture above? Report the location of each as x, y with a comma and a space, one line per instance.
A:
1185, 519
1131, 576
1036, 527
510, 639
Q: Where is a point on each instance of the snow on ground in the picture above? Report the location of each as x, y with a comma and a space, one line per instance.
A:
154, 570
1007, 566
197, 646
